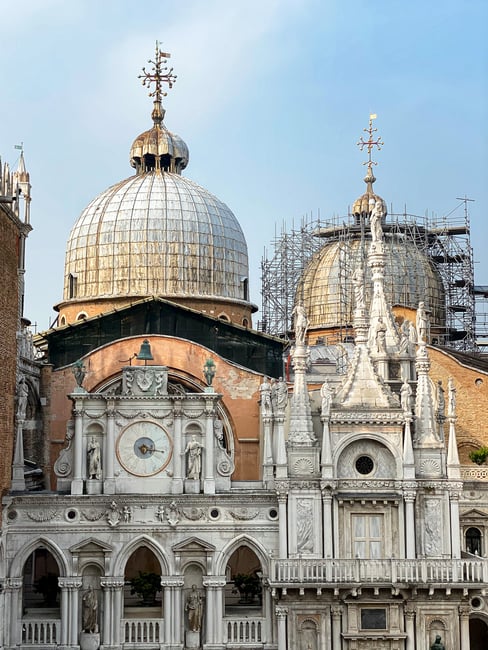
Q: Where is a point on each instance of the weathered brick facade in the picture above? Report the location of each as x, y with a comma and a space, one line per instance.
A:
10, 228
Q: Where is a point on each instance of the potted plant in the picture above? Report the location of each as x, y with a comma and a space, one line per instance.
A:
48, 586
249, 586
479, 456
146, 585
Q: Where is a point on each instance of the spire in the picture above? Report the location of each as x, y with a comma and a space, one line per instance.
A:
365, 203
158, 149
158, 75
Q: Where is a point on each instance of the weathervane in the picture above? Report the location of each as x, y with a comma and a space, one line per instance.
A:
158, 74
370, 143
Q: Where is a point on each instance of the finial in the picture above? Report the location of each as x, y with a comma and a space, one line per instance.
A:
157, 75
370, 143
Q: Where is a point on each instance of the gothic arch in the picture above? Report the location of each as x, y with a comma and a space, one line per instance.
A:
138, 542
381, 449
225, 554
19, 560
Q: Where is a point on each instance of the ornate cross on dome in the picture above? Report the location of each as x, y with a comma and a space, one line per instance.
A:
370, 143
159, 74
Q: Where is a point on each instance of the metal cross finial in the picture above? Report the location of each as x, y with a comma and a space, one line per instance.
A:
370, 143
158, 74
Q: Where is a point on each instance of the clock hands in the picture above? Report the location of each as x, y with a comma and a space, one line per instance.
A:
144, 449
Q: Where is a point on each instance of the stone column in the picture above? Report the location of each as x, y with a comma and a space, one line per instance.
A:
282, 494
77, 482
455, 490
281, 614
214, 611
464, 626
178, 609
64, 584
409, 498
177, 482
328, 538
13, 611
336, 611
74, 586
117, 608
110, 619
109, 453
173, 608
410, 627
268, 451
209, 480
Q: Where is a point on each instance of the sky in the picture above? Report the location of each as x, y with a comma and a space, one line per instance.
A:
271, 98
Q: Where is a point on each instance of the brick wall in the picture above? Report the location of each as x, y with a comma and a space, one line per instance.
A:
9, 300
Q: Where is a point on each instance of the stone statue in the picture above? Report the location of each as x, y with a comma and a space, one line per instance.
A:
301, 324
23, 393
406, 397
380, 336
194, 607
265, 397
441, 402
94, 460
281, 394
451, 408
219, 433
375, 222
304, 527
404, 347
437, 645
79, 371
358, 284
194, 451
90, 611
326, 393
422, 323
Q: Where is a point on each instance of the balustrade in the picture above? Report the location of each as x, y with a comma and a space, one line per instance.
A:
244, 631
143, 630
421, 571
41, 632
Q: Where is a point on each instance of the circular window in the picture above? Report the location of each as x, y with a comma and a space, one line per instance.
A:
478, 382
364, 465
71, 515
476, 603
214, 513
12, 515
273, 514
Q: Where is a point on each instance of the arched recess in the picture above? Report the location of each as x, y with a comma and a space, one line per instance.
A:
18, 562
92, 598
478, 632
308, 634
437, 627
244, 565
142, 580
193, 595
473, 538
40, 588
351, 459
123, 556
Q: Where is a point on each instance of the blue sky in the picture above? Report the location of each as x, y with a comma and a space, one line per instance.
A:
271, 97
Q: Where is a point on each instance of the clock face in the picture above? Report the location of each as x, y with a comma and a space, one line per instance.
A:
144, 448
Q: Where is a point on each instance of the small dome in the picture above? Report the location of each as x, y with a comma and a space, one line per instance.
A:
363, 206
326, 289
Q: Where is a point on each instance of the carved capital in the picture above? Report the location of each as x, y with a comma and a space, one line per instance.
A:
112, 582
78, 412
464, 611
281, 612
336, 611
12, 584
409, 496
217, 582
172, 581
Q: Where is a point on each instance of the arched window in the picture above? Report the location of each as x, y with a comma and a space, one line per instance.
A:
62, 321
224, 317
82, 315
473, 541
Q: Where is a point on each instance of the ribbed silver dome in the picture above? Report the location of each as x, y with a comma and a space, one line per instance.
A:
326, 288
160, 234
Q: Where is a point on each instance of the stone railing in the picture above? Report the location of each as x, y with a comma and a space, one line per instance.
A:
40, 632
244, 631
474, 473
336, 572
142, 631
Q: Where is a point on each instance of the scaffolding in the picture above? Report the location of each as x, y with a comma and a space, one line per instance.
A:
445, 241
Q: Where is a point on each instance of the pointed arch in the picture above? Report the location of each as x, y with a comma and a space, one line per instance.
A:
122, 558
225, 554
21, 557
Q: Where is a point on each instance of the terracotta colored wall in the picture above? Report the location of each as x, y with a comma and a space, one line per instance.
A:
9, 311
235, 312
239, 387
471, 401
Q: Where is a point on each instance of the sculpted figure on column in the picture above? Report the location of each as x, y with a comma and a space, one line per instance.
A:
451, 407
265, 397
375, 222
90, 611
326, 395
301, 324
422, 323
194, 607
23, 393
94, 461
194, 451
